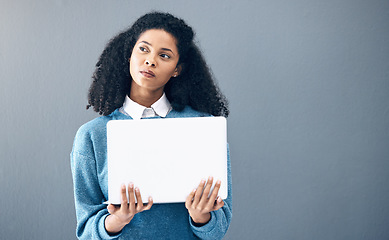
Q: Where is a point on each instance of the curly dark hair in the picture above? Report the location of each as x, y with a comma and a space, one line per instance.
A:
194, 86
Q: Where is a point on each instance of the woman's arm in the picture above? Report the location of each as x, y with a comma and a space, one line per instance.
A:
94, 219
90, 210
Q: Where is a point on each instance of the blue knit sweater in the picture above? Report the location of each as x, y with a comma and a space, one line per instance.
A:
162, 221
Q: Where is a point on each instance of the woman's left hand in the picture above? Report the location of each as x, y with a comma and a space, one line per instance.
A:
198, 203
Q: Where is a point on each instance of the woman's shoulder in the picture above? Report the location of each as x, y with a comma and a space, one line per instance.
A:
99, 123
188, 111
88, 133
95, 130
94, 125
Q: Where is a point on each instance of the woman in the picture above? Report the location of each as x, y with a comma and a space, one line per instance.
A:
151, 70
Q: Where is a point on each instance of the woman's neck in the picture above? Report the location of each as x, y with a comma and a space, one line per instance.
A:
145, 97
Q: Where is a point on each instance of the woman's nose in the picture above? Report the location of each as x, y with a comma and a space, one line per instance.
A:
150, 62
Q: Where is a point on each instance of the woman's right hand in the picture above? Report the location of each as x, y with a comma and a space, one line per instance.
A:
122, 215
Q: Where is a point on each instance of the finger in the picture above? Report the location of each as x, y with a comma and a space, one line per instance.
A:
198, 192
124, 202
219, 204
189, 199
139, 204
215, 192
207, 189
149, 204
131, 198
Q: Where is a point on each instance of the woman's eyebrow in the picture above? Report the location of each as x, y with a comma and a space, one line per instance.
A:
165, 49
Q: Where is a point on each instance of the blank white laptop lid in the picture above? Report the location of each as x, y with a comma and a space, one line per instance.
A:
166, 158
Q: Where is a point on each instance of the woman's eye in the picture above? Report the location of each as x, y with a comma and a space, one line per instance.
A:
165, 56
142, 49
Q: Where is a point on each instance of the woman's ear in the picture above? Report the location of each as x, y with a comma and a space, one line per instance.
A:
177, 71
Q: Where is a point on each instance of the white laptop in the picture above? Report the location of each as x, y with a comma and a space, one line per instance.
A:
166, 158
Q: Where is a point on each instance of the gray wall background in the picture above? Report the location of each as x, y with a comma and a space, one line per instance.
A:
308, 84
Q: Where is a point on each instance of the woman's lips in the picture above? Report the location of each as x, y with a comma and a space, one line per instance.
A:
148, 74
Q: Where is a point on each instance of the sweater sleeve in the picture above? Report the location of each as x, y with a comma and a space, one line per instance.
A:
90, 210
220, 220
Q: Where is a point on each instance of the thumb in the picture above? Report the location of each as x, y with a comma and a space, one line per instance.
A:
111, 208
219, 204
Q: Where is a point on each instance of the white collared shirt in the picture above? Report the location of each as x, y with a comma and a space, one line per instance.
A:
160, 108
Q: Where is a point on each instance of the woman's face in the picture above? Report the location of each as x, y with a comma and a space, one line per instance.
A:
154, 60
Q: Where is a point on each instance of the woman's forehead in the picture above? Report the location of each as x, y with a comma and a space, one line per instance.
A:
158, 37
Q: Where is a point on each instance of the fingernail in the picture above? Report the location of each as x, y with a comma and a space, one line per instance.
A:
131, 185
203, 180
137, 189
219, 182
123, 186
210, 178
194, 190
219, 199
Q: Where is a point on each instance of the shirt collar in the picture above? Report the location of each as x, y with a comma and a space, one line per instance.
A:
161, 107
